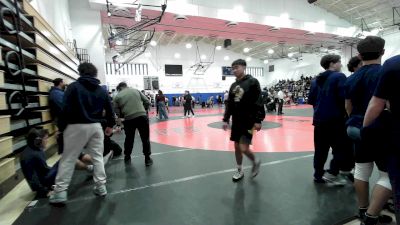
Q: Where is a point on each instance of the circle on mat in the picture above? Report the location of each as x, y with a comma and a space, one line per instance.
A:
265, 125
294, 135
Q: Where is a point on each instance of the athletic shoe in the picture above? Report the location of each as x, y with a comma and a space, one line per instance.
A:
348, 174
184, 117
107, 157
369, 220
319, 181
361, 213
389, 206
148, 161
256, 168
335, 180
385, 219
100, 190
193, 116
238, 175
58, 198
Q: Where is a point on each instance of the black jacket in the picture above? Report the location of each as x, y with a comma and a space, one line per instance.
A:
84, 102
188, 100
245, 102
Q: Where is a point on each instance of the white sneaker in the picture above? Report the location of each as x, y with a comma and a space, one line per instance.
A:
238, 175
193, 116
107, 157
335, 180
256, 168
184, 117
100, 190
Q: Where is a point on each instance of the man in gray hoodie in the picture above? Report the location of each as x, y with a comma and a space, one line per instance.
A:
131, 105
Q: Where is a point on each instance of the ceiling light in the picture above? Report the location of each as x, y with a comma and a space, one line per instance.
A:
153, 43
188, 45
248, 59
271, 51
290, 54
246, 50
226, 58
219, 47
203, 57
147, 54
108, 13
177, 55
118, 42
266, 61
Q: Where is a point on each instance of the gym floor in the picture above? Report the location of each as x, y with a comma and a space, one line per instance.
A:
190, 181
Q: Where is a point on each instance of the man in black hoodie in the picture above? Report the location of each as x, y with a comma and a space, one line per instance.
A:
247, 111
80, 120
327, 98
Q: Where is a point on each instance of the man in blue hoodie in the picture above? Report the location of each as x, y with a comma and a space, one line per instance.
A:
327, 98
359, 89
37, 173
80, 120
56, 98
387, 91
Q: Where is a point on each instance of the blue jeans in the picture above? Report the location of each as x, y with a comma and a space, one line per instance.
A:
162, 110
51, 175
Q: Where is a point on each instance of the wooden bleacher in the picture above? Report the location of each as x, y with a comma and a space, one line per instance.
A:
45, 57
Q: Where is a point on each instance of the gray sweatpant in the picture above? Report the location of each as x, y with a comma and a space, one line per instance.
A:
76, 137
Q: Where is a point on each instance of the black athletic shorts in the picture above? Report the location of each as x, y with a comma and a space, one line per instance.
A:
241, 133
372, 148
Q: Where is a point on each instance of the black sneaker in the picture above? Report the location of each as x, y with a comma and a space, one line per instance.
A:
319, 180
148, 161
361, 213
369, 220
385, 219
389, 206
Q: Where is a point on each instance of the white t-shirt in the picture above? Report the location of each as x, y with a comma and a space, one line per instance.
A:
226, 96
281, 95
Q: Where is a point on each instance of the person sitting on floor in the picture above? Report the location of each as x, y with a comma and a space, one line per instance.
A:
37, 173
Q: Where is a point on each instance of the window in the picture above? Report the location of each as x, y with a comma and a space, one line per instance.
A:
127, 69
255, 71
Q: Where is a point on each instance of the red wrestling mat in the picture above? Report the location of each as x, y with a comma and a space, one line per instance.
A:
295, 134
